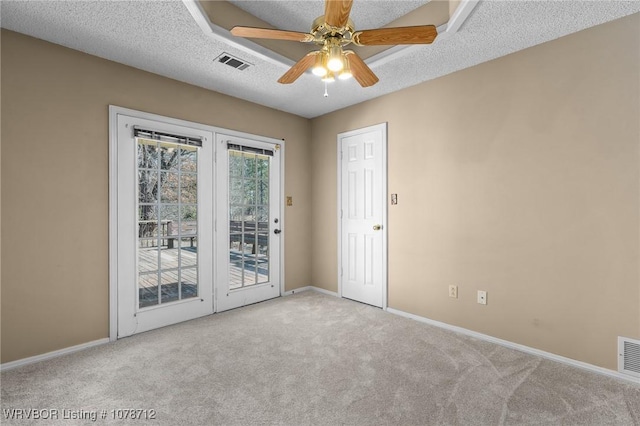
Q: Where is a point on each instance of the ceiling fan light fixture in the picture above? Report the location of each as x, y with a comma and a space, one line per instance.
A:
346, 73
332, 32
329, 78
335, 62
320, 67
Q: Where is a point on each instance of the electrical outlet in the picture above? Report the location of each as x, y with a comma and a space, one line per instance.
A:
482, 297
453, 291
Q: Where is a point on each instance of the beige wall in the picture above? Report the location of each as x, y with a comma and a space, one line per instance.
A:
520, 177
55, 184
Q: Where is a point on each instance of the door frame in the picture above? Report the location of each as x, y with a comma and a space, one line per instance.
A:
383, 128
114, 111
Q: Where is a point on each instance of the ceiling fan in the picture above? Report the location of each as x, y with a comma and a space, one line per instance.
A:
332, 32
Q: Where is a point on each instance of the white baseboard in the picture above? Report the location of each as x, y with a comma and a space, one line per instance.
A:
50, 355
517, 346
72, 349
323, 291
296, 290
312, 288
485, 337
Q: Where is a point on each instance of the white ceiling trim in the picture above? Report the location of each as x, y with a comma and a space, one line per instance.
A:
446, 30
222, 35
461, 14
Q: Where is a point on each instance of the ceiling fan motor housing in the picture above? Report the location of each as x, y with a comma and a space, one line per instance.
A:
321, 30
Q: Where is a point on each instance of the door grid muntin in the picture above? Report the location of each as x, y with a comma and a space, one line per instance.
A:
167, 205
249, 257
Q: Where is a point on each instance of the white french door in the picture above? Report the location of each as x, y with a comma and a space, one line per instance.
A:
195, 220
362, 210
249, 222
164, 232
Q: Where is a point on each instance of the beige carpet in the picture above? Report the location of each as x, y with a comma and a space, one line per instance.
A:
316, 359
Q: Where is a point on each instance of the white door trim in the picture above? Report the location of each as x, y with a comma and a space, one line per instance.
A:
114, 111
385, 249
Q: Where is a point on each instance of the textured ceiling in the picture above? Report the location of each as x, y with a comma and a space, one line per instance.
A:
163, 38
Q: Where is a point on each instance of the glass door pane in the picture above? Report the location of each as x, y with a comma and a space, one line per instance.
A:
248, 218
167, 222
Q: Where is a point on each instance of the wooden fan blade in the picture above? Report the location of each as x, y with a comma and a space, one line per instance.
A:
336, 12
298, 69
251, 32
361, 71
423, 34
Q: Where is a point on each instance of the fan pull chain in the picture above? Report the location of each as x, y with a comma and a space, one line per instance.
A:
326, 94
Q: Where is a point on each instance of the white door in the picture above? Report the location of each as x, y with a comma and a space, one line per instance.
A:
249, 222
363, 248
164, 223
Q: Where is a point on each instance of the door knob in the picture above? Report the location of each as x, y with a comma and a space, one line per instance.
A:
377, 227
276, 231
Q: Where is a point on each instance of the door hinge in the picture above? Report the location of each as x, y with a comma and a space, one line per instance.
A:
341, 155
341, 271
340, 213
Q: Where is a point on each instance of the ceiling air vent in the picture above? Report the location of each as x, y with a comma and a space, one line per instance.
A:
234, 62
629, 356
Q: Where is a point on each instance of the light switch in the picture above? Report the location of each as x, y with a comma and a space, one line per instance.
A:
394, 199
289, 201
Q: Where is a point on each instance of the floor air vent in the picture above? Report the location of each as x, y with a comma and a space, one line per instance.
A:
629, 356
234, 62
